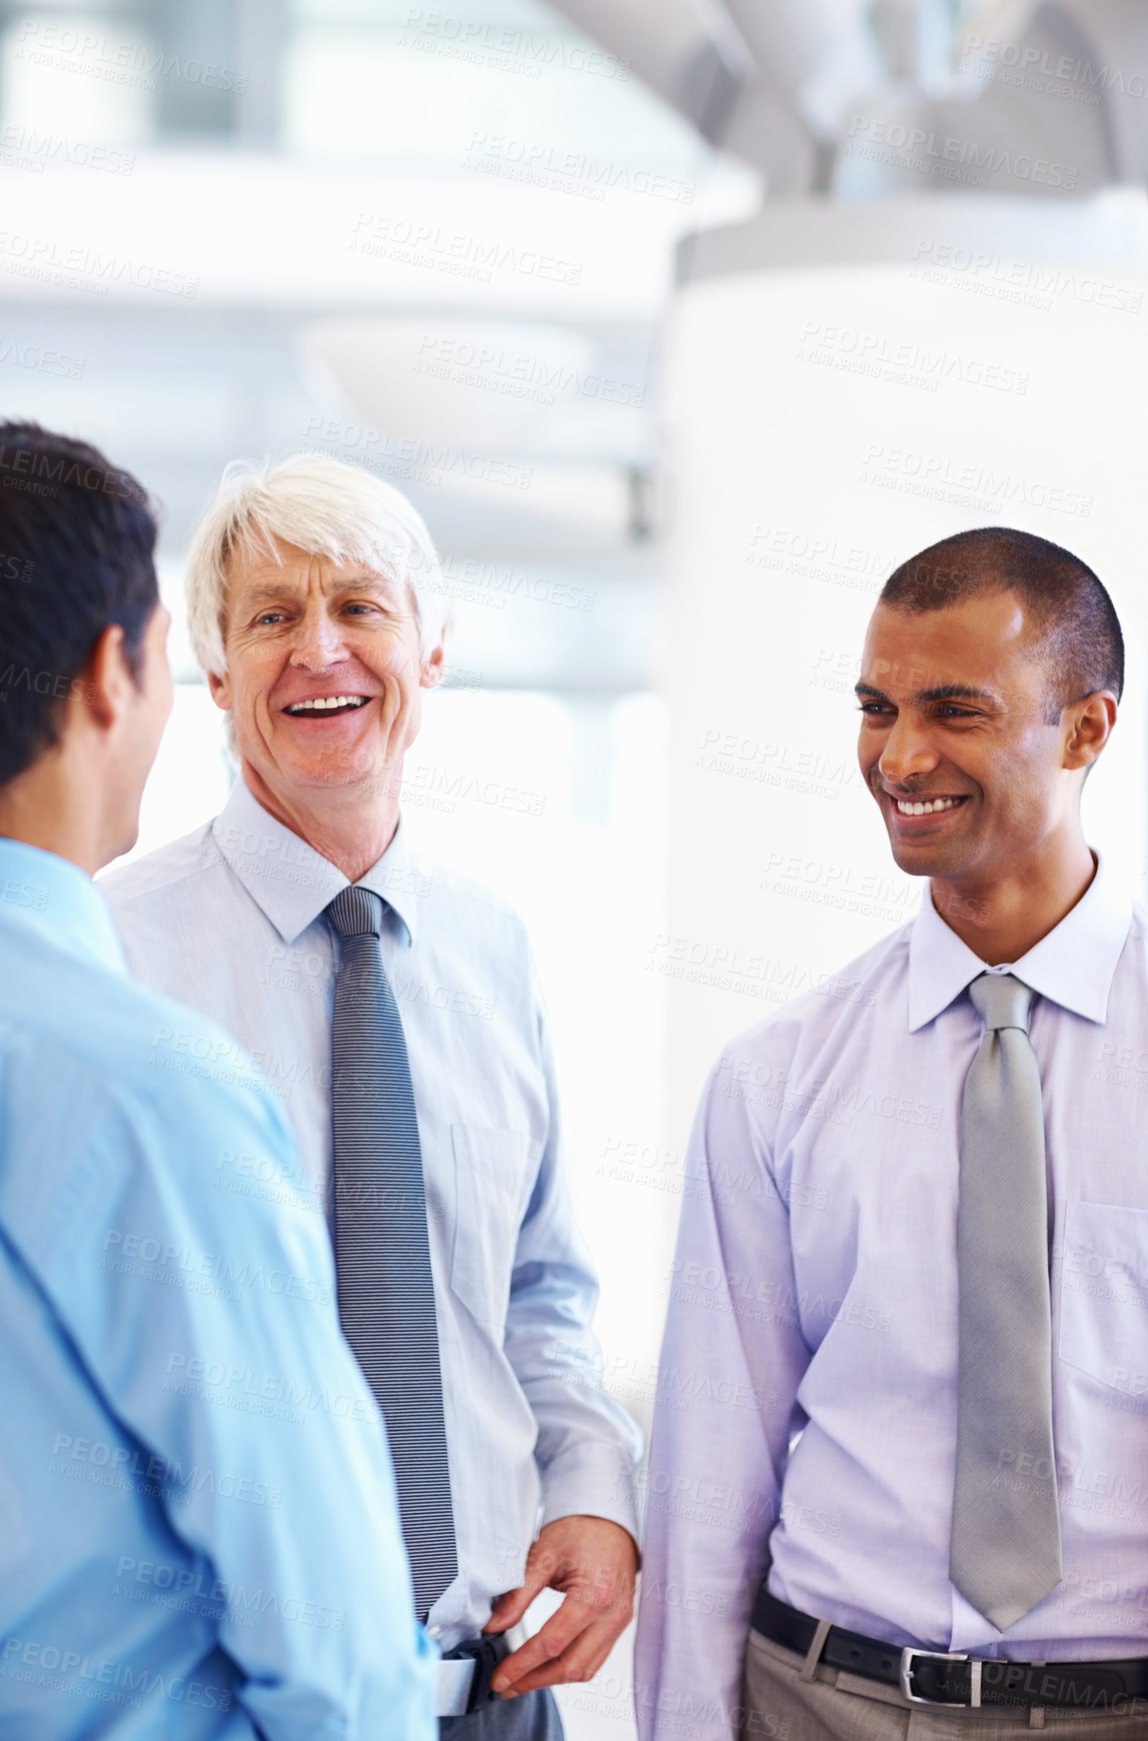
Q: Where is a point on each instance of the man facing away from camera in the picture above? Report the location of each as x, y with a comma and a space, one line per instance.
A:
396, 1008
168, 1565
916, 1245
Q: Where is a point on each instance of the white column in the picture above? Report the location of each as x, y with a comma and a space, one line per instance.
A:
846, 386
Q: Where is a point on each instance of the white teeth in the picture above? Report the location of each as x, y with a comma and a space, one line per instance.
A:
911, 807
328, 703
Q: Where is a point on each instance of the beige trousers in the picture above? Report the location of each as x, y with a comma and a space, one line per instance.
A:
780, 1704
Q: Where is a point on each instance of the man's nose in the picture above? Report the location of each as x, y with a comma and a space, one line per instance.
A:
908, 753
318, 641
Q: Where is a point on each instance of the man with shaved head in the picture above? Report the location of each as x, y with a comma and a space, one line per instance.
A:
910, 1497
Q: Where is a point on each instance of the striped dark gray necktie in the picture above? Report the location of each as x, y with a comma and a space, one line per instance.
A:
382, 1254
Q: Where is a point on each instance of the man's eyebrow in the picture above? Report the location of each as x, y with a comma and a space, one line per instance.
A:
344, 582
261, 589
956, 692
942, 692
274, 587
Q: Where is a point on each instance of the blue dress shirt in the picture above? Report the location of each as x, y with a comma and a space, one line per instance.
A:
198, 1526
807, 1412
230, 919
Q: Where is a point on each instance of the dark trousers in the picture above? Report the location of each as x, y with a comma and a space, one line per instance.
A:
530, 1717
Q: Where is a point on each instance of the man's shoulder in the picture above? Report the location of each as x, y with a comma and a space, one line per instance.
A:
114, 1095
156, 872
108, 1044
447, 897
115, 1027
845, 997
1138, 929
1131, 974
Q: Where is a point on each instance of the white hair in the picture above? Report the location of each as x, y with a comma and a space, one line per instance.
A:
324, 507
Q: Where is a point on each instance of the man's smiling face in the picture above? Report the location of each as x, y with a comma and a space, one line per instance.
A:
324, 674
956, 744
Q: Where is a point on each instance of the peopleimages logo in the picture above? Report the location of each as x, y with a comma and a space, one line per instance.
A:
1029, 283
574, 172
504, 45
412, 242
46, 362
516, 373
24, 148
904, 362
47, 1664
948, 154
21, 462
122, 63
973, 485
1033, 68
411, 457
88, 269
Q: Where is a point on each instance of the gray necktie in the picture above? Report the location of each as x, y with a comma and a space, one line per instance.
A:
382, 1254
1005, 1550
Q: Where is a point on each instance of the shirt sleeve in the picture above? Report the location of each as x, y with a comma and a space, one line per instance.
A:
588, 1445
732, 1360
207, 1319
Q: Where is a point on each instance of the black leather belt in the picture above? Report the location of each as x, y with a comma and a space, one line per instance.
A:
465, 1674
939, 1677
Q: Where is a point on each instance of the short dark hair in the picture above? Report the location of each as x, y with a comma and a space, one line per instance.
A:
1079, 638
77, 542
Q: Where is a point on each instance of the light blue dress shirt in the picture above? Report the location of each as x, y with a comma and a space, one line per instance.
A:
230, 919
814, 1292
198, 1526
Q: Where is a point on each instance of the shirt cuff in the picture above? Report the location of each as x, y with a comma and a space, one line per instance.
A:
591, 1480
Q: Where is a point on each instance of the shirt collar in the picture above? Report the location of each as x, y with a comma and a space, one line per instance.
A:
292, 883
55, 898
1073, 966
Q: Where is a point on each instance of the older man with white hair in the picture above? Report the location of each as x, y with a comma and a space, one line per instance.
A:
395, 1008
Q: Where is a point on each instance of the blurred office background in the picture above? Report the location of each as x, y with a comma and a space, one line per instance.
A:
682, 324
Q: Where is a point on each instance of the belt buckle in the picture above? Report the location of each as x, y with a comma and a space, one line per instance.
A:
974, 1698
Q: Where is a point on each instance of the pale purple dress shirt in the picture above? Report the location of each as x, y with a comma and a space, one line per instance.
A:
807, 1405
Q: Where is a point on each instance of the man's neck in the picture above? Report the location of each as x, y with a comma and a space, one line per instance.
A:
335, 822
47, 806
1003, 919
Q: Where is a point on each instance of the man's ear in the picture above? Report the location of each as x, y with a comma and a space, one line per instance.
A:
1089, 727
433, 667
220, 687
105, 686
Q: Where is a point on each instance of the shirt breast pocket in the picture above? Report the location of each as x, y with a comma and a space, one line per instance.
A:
490, 1187
1104, 1294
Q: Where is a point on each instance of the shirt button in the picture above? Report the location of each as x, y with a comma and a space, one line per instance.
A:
435, 1631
